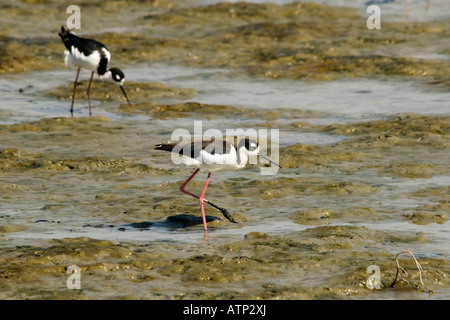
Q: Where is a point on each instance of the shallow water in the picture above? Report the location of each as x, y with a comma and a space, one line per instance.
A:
336, 101
365, 175
391, 9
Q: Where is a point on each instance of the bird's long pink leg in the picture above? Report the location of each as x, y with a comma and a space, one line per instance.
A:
408, 8
182, 188
89, 92
74, 88
427, 7
224, 211
201, 199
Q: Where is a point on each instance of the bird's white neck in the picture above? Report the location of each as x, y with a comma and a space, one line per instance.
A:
107, 76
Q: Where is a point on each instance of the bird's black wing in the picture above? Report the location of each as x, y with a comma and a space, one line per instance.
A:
192, 149
84, 45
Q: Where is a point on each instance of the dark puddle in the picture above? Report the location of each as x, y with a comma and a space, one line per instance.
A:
179, 221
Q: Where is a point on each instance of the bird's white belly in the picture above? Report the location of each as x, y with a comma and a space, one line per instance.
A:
212, 163
78, 59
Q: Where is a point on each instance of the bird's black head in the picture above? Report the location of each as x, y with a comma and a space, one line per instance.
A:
118, 77
251, 145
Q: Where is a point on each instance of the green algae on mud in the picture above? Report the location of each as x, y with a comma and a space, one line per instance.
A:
299, 40
434, 212
398, 146
180, 110
137, 92
114, 192
401, 129
272, 267
295, 41
156, 101
65, 175
82, 124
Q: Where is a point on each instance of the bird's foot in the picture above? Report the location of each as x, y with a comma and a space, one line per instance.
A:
224, 211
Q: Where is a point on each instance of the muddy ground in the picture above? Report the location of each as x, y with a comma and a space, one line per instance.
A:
79, 174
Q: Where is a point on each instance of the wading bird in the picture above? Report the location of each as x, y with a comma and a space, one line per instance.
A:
211, 156
92, 55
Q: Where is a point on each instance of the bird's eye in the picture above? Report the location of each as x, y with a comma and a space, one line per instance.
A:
253, 147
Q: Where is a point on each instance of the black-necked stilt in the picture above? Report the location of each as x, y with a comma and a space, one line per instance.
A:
211, 156
92, 55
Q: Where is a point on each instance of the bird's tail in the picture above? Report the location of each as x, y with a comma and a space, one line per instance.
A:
165, 146
65, 36
64, 33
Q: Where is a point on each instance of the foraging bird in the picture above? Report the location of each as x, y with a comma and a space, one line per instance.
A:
211, 156
92, 55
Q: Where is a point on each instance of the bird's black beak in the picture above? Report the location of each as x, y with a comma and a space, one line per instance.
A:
272, 162
125, 94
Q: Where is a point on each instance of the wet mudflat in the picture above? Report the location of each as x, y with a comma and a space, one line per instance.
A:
92, 192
